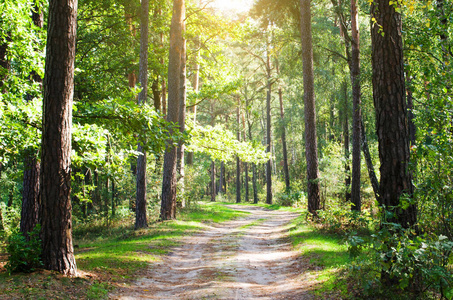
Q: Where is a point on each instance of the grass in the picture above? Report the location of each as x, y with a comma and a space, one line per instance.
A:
111, 256
114, 256
325, 253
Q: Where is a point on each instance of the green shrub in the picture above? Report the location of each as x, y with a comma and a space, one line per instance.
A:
24, 256
339, 220
415, 265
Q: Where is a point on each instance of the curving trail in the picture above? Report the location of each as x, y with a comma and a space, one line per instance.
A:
247, 258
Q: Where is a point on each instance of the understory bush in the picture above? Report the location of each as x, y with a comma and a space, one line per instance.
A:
338, 220
24, 255
396, 263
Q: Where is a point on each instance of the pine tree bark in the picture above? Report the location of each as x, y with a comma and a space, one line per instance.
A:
30, 194
285, 150
55, 210
182, 124
369, 163
168, 204
254, 173
221, 177
268, 148
311, 143
238, 162
346, 142
140, 202
389, 95
268, 128
213, 181
357, 111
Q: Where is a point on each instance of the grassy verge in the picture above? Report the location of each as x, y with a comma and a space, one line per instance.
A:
109, 257
326, 257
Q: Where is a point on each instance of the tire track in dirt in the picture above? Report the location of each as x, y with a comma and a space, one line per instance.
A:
247, 258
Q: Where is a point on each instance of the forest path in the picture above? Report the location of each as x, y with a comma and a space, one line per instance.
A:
246, 258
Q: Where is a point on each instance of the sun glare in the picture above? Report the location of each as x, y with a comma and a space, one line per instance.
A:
236, 6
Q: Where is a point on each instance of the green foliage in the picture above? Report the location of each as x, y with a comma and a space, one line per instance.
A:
416, 264
324, 252
221, 144
98, 291
198, 178
24, 255
344, 220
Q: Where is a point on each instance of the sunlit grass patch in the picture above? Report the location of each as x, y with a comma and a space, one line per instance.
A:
124, 253
254, 223
216, 212
325, 252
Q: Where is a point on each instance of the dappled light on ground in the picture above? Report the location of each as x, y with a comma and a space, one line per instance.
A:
247, 258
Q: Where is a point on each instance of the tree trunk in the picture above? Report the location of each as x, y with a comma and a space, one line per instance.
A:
5, 64
285, 151
369, 163
140, 202
357, 111
157, 98
56, 210
129, 12
182, 124
347, 167
311, 143
268, 127
238, 162
268, 149
255, 187
113, 199
168, 205
221, 176
196, 84
30, 194
391, 113
213, 182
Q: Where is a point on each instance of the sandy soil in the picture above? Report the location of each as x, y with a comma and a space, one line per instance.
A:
248, 258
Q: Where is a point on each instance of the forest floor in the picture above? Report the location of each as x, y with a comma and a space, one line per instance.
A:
213, 251
247, 258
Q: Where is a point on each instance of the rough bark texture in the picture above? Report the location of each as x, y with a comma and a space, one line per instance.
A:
238, 162
254, 183
269, 145
168, 205
221, 177
30, 194
311, 143
254, 173
369, 163
56, 211
182, 124
391, 112
140, 203
347, 167
213, 181
357, 111
285, 149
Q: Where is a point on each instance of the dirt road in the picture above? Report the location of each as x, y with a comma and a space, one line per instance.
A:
247, 258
